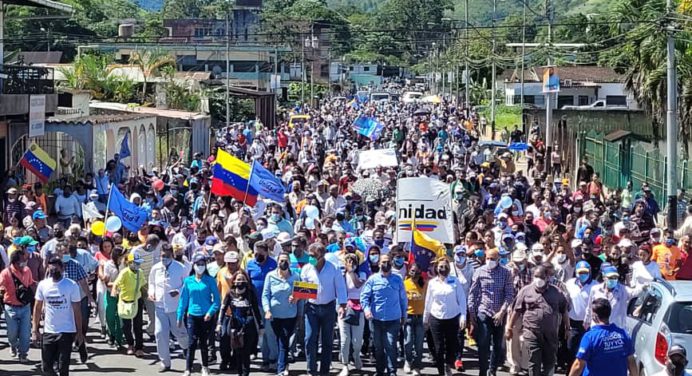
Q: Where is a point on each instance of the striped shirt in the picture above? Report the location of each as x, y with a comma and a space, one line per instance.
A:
490, 290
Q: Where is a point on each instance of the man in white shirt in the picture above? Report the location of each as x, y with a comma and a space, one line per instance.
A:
165, 283
62, 321
616, 293
579, 289
334, 202
67, 206
320, 313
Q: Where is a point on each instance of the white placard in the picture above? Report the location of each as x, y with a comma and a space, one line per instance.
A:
429, 201
377, 158
37, 115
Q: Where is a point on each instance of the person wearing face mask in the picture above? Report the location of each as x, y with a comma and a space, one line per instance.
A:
16, 287
676, 362
352, 324
414, 330
398, 262
374, 259
62, 323
490, 297
257, 269
606, 349
277, 219
321, 313
445, 315
578, 290
385, 304
501, 228
616, 293
239, 321
67, 206
199, 302
644, 270
108, 272
280, 308
522, 275
149, 253
165, 283
563, 261
129, 288
667, 256
542, 308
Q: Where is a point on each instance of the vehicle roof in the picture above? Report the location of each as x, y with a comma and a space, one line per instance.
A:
682, 290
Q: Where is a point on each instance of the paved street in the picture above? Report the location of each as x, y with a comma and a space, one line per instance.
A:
104, 360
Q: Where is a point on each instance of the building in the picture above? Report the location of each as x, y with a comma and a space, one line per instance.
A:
18, 83
579, 86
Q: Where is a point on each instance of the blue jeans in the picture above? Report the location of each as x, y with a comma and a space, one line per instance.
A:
413, 343
385, 334
19, 328
298, 336
198, 332
268, 348
283, 329
319, 323
486, 333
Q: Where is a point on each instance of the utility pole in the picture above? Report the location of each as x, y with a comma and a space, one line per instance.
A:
671, 125
466, 59
548, 95
302, 72
523, 56
492, 89
312, 63
228, 69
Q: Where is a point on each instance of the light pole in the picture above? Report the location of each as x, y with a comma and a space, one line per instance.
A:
492, 89
671, 125
228, 67
312, 43
466, 59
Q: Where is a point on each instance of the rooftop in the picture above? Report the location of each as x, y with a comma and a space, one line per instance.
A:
174, 114
42, 4
99, 119
582, 73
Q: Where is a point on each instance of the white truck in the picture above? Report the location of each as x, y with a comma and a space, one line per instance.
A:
597, 105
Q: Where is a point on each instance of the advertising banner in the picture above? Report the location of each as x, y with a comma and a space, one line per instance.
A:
425, 204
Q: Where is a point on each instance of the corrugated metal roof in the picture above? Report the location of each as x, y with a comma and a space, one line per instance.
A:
100, 119
583, 73
39, 57
184, 115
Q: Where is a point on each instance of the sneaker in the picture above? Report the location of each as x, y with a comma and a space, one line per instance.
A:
83, 355
164, 368
130, 350
459, 365
344, 371
23, 359
265, 367
205, 371
448, 371
187, 373
415, 372
407, 368
139, 353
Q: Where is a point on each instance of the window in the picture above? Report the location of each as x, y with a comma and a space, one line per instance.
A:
366, 69
646, 305
565, 100
616, 100
350, 69
583, 100
680, 317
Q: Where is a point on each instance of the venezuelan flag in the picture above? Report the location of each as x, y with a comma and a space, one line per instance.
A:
424, 250
39, 162
230, 177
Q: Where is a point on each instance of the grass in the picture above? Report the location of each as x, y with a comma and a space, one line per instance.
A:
505, 117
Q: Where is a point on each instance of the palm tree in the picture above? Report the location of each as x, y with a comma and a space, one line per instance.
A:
151, 63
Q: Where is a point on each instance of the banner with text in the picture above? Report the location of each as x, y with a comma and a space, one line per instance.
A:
427, 204
37, 115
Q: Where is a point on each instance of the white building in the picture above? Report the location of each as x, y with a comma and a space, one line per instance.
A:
579, 86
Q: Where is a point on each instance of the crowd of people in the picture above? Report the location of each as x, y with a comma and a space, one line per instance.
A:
535, 285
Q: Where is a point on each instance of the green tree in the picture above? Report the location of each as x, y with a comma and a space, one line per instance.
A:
150, 63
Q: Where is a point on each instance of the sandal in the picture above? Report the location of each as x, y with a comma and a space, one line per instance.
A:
139, 353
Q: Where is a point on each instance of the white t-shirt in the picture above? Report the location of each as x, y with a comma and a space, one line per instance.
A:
57, 298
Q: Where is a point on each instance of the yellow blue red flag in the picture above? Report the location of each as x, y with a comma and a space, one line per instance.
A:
231, 178
39, 162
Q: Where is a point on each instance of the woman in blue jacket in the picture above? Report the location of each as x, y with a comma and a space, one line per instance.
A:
199, 300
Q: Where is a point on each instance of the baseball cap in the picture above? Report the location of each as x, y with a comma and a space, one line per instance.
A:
25, 241
231, 256
583, 266
610, 271
283, 238
137, 259
518, 256
39, 214
459, 249
12, 191
199, 256
218, 247
677, 350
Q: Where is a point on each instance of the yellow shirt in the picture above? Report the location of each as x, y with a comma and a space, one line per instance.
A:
416, 297
127, 283
668, 260
222, 283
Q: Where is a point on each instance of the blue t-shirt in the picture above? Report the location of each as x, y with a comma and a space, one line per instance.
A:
258, 273
605, 349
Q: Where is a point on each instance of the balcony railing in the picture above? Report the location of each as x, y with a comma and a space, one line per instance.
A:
15, 79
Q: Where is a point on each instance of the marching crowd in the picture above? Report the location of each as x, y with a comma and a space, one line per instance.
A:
539, 275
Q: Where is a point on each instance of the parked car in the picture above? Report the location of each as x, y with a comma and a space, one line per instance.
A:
412, 96
658, 318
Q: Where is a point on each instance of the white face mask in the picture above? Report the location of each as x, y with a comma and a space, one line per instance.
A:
492, 264
561, 258
540, 283
199, 269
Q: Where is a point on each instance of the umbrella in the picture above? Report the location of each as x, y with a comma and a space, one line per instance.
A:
369, 187
422, 112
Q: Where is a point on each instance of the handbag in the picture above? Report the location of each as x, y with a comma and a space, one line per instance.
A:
353, 312
128, 310
22, 292
237, 341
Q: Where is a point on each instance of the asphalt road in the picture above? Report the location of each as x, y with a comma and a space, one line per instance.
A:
104, 360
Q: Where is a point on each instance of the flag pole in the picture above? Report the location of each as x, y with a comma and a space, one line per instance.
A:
247, 187
108, 203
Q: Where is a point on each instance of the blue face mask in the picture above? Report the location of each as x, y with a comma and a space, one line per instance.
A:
583, 278
312, 261
611, 283
670, 242
398, 262
479, 253
504, 261
65, 258
374, 259
276, 217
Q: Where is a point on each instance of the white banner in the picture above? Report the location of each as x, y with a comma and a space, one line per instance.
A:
429, 201
377, 158
37, 115
89, 212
